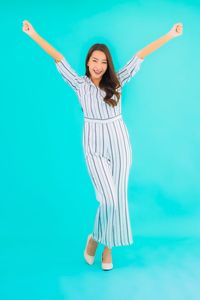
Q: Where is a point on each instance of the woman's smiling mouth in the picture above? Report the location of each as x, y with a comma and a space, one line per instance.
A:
97, 72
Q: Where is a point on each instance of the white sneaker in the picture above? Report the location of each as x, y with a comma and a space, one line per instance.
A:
89, 258
106, 266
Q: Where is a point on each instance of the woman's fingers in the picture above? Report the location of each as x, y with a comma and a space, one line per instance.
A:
176, 30
179, 27
27, 27
26, 23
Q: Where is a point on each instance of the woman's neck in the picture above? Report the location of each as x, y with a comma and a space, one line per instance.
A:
95, 81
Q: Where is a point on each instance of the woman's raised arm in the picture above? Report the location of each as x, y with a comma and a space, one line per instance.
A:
176, 31
29, 30
64, 68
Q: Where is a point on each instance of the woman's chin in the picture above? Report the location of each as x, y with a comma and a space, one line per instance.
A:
97, 76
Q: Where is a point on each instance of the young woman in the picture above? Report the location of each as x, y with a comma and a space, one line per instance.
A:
106, 142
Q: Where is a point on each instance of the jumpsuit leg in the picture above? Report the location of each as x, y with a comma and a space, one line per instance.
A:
104, 227
121, 161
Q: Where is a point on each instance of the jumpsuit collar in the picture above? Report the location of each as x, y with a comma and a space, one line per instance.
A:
90, 82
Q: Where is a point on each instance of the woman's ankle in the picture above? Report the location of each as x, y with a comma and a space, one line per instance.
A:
107, 255
107, 250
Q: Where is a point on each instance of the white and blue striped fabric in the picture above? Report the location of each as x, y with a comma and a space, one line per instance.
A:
107, 151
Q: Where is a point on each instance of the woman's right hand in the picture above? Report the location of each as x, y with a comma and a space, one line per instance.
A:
28, 28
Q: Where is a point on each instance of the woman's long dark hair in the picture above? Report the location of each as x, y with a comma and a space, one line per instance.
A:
109, 82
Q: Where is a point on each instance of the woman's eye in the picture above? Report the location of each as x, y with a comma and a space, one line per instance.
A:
104, 62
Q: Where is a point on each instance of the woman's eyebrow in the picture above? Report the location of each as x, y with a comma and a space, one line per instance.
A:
98, 59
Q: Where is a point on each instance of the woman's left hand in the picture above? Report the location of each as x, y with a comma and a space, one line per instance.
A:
176, 30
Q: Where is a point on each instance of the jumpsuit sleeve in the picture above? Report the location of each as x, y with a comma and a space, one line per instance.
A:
68, 74
129, 70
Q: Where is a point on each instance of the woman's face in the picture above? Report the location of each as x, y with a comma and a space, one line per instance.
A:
97, 65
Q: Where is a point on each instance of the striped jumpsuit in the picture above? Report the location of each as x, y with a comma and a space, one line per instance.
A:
108, 153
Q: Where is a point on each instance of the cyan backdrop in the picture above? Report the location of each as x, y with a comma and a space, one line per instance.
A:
46, 193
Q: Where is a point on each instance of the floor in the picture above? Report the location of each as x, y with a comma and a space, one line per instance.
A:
152, 268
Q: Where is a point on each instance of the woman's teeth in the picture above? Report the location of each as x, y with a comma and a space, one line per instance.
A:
97, 72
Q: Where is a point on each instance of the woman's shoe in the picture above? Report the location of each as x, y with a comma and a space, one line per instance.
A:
89, 258
106, 266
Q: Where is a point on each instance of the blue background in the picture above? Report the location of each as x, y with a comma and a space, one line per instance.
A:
48, 203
